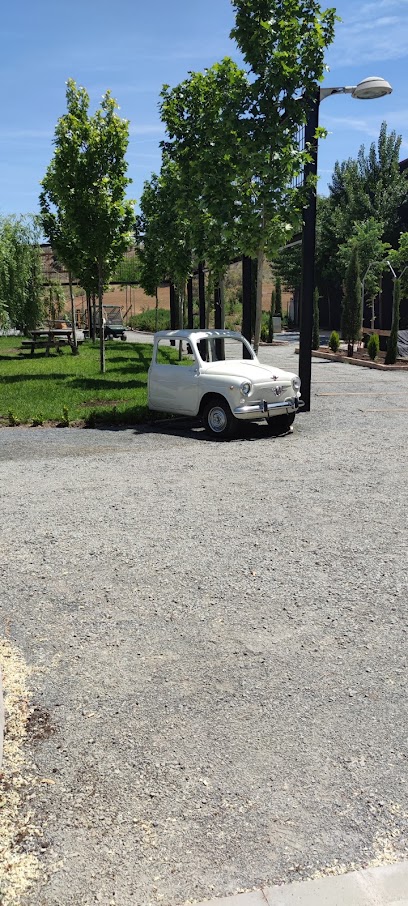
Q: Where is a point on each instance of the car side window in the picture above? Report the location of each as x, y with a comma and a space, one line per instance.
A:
177, 353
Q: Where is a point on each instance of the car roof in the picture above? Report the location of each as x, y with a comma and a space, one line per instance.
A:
200, 333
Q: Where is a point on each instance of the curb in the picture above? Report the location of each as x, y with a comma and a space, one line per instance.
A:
344, 359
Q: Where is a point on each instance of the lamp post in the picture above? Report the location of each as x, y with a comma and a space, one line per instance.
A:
372, 87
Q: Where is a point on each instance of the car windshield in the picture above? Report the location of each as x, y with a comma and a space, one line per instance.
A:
213, 349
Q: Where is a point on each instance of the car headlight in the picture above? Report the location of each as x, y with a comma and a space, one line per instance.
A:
296, 384
246, 388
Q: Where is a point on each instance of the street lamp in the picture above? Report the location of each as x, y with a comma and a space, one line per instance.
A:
372, 87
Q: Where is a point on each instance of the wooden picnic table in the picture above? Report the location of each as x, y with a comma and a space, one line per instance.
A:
50, 338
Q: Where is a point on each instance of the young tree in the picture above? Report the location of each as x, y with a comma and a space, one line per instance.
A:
351, 314
392, 344
152, 258
283, 43
86, 184
372, 255
203, 118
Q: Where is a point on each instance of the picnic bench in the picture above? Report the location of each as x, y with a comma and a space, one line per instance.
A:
48, 338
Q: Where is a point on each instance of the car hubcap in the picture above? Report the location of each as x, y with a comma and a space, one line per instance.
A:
217, 419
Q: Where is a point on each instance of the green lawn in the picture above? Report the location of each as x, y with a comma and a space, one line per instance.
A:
37, 388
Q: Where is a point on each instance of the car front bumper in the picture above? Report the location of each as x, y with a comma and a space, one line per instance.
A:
263, 409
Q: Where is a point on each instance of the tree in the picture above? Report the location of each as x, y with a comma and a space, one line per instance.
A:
152, 260
392, 344
283, 43
399, 261
352, 308
21, 280
369, 189
316, 332
372, 255
203, 118
85, 187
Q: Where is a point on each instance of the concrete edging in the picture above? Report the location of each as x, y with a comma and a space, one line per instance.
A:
335, 357
386, 885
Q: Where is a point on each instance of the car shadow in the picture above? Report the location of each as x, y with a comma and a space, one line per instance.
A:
193, 429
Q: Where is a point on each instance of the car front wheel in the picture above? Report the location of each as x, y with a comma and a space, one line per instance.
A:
218, 419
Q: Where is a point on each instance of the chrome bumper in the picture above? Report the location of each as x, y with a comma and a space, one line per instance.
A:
263, 408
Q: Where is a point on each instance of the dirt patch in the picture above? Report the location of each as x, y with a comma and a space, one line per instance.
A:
19, 865
104, 403
39, 725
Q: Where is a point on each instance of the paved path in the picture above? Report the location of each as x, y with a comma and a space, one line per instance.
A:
382, 886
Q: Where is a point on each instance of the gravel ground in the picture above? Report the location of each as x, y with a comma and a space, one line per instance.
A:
218, 639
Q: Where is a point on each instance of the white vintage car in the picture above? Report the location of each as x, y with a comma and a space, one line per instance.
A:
216, 375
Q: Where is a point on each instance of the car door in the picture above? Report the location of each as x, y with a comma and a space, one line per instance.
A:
173, 382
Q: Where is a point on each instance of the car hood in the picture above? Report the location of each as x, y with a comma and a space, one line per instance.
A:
245, 370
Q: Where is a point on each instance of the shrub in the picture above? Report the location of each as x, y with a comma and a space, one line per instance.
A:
146, 320
334, 341
373, 346
264, 334
38, 420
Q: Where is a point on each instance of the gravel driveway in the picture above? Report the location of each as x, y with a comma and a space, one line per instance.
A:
218, 639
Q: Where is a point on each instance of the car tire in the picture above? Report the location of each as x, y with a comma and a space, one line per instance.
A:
218, 419
280, 424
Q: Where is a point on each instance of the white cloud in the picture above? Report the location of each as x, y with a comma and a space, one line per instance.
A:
147, 129
376, 32
19, 134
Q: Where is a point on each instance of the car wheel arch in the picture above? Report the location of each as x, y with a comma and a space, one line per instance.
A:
211, 397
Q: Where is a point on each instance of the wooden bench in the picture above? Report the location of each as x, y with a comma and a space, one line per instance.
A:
46, 343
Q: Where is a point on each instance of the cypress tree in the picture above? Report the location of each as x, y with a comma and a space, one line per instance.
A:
316, 330
352, 307
392, 345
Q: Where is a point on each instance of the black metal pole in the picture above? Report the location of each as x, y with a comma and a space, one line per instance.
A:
247, 300
172, 310
190, 303
308, 258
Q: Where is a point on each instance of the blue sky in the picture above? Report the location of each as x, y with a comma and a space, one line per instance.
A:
133, 47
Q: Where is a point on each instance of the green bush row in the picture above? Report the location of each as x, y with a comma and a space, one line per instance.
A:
146, 320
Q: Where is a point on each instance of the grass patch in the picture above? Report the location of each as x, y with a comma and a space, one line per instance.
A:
66, 389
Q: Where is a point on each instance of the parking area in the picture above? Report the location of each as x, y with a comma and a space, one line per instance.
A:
218, 644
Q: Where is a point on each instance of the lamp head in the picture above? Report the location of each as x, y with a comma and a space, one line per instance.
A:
372, 87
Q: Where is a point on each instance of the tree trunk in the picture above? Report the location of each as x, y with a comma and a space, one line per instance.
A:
156, 317
71, 296
222, 301
259, 286
93, 318
101, 324
88, 311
